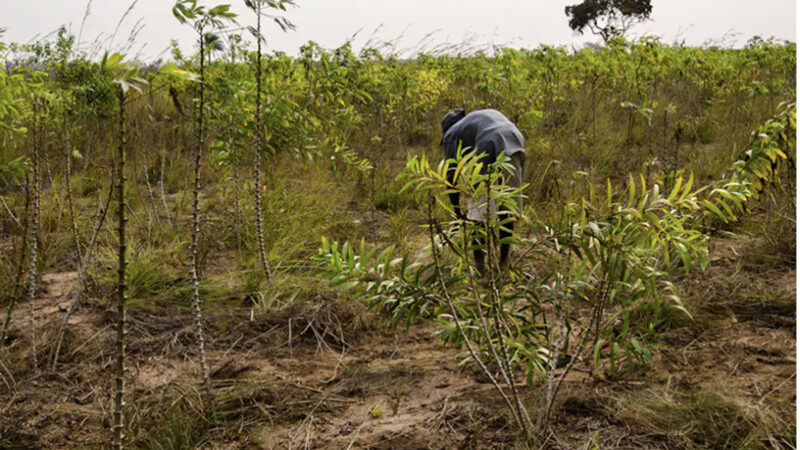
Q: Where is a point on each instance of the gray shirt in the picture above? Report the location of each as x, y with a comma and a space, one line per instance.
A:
486, 130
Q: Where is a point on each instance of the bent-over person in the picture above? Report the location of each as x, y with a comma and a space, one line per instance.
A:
490, 134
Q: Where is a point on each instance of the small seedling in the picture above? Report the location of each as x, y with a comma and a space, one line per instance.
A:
397, 399
375, 412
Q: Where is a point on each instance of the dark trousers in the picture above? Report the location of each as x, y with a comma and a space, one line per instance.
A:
476, 213
505, 249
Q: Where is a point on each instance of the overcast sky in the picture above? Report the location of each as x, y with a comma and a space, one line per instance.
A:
519, 23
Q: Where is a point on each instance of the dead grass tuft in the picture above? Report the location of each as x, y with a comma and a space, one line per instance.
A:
713, 420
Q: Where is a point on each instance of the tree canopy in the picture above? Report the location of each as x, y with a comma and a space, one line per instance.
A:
607, 18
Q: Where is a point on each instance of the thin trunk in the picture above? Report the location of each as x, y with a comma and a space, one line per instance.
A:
34, 236
578, 351
161, 188
198, 318
121, 296
70, 204
504, 361
149, 188
15, 295
259, 143
473, 353
594, 111
237, 190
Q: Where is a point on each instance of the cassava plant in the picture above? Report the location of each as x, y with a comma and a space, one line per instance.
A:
202, 21
126, 76
258, 8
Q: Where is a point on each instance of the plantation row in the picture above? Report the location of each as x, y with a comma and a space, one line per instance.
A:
637, 152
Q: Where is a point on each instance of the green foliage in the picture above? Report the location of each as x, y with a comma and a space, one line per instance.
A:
14, 170
16, 91
398, 226
189, 11
401, 289
125, 74
149, 274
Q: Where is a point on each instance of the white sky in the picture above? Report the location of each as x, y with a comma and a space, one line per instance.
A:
519, 23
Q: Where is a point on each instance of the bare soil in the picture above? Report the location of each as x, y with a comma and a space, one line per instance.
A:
303, 378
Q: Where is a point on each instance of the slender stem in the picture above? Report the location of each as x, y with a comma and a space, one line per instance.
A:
161, 187
499, 324
10, 213
567, 369
70, 204
34, 239
485, 326
259, 144
453, 311
121, 286
198, 317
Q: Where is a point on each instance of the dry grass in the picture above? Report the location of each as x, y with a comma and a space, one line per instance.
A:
708, 419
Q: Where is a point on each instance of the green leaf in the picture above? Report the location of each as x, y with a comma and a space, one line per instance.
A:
597, 346
684, 254
172, 70
675, 189
716, 210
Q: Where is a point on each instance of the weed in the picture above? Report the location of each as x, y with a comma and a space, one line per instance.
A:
179, 425
398, 227
397, 398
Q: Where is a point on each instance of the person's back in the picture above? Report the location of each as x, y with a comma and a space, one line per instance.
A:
486, 130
